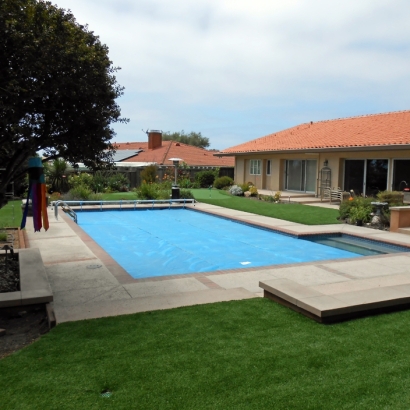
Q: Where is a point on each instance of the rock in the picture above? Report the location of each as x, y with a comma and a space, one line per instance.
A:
2, 332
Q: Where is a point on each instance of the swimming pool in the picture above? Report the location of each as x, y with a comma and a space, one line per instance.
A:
160, 242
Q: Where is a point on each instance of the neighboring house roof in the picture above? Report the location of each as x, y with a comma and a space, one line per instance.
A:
192, 156
378, 130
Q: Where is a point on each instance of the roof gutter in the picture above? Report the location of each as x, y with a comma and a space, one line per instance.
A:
317, 150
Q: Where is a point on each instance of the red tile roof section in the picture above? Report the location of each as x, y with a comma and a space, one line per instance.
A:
364, 131
191, 155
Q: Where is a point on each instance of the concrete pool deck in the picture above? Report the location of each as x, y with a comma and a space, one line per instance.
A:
87, 283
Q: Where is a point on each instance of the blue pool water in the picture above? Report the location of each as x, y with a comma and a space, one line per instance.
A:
149, 243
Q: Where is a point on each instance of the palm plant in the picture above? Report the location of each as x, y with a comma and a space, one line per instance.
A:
56, 174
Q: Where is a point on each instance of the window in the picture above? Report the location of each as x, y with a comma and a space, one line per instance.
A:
255, 167
268, 167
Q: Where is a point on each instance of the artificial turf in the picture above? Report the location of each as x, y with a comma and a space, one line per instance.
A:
250, 354
303, 214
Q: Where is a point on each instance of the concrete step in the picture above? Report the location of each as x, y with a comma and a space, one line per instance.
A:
406, 231
105, 308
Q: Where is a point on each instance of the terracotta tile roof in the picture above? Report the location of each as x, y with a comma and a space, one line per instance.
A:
364, 131
191, 155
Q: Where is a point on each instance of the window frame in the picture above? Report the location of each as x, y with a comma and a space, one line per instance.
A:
268, 167
255, 167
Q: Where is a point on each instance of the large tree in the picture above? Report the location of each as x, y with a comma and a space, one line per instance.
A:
57, 89
193, 138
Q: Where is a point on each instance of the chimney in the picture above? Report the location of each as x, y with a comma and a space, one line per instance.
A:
154, 139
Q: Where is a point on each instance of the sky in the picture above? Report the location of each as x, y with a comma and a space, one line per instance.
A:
236, 70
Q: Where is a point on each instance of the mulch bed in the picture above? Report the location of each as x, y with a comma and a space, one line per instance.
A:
23, 324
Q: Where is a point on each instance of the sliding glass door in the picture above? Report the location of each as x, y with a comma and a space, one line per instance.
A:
300, 175
366, 176
401, 174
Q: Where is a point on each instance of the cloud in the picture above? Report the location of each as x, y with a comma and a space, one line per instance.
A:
248, 60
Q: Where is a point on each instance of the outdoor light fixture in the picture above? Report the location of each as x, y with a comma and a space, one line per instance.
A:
175, 188
176, 163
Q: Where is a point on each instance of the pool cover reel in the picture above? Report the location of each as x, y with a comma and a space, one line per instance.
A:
37, 194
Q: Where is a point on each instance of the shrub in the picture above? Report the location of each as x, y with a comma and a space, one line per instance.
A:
81, 193
185, 183
276, 197
100, 181
393, 198
205, 178
358, 208
223, 182
245, 186
55, 196
147, 191
118, 182
253, 191
344, 209
186, 194
236, 190
149, 174
82, 179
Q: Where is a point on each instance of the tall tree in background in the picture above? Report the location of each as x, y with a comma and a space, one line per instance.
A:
193, 138
57, 89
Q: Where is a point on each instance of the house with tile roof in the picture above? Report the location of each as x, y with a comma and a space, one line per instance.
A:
131, 156
366, 154
156, 151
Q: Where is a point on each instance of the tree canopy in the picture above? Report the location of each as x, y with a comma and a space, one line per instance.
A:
193, 138
57, 88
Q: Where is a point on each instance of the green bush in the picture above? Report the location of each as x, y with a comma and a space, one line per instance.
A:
147, 191
358, 208
344, 209
82, 179
149, 174
186, 194
118, 182
253, 190
100, 181
81, 193
153, 191
276, 197
205, 178
245, 187
223, 182
393, 198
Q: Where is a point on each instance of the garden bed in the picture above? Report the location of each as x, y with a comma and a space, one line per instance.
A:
25, 312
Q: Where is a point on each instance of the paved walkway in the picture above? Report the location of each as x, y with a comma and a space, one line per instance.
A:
88, 283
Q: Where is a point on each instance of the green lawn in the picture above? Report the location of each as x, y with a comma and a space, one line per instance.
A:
251, 354
11, 215
304, 214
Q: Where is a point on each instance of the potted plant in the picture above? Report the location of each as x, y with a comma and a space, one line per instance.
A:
359, 214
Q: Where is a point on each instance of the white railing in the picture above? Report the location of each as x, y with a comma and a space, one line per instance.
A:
66, 204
